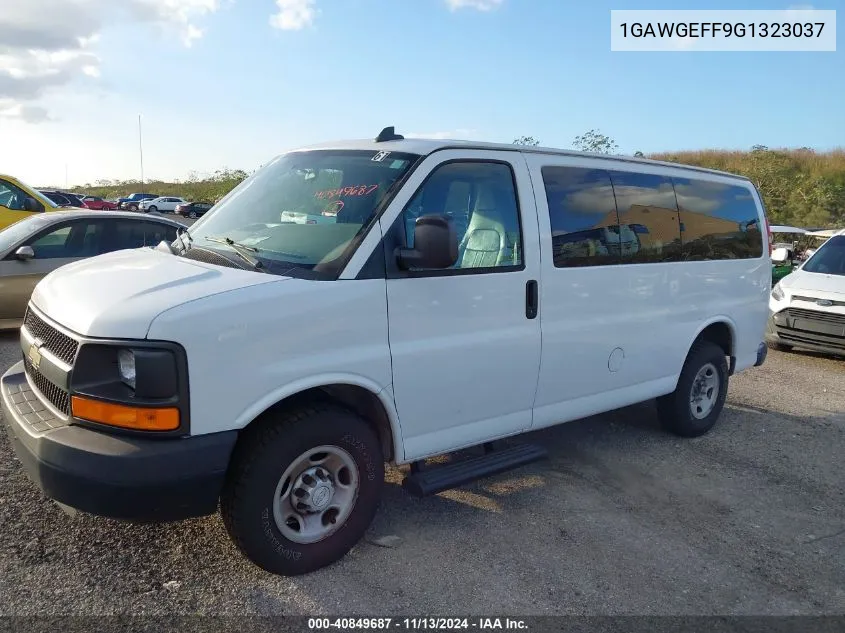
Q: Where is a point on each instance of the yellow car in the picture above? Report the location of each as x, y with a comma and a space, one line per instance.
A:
18, 201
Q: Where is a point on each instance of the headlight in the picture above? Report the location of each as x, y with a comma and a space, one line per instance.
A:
777, 292
126, 366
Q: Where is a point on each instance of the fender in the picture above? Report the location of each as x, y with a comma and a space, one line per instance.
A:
717, 318
384, 394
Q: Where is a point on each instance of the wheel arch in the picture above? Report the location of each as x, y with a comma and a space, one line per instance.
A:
720, 330
373, 403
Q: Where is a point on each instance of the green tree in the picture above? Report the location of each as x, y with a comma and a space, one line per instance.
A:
526, 140
595, 141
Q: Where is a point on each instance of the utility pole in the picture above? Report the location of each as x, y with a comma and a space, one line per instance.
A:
65, 175
141, 151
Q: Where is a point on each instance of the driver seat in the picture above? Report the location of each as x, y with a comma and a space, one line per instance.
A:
485, 243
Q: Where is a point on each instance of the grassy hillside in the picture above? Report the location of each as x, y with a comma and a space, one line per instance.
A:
208, 189
800, 187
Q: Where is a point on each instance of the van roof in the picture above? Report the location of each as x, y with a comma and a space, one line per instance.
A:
425, 147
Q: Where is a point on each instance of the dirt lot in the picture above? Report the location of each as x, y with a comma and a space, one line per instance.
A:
622, 519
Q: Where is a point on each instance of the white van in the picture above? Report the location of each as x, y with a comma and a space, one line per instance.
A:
275, 366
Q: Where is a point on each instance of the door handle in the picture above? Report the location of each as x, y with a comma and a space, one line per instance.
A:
532, 299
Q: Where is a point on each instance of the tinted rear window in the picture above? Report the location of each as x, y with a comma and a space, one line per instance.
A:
718, 220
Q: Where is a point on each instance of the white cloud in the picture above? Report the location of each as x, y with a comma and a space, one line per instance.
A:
47, 44
293, 15
460, 133
27, 113
480, 5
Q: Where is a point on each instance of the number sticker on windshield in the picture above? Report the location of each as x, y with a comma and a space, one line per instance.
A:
342, 192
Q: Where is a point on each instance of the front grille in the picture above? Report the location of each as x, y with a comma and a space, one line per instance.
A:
814, 299
813, 315
57, 396
58, 343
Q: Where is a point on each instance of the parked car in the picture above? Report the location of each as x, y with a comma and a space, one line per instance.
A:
100, 204
37, 245
808, 305
58, 198
75, 199
131, 203
278, 366
192, 209
163, 204
18, 200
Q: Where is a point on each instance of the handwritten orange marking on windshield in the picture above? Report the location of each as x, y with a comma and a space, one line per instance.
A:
341, 192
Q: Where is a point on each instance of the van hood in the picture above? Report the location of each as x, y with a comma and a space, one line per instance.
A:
819, 283
118, 295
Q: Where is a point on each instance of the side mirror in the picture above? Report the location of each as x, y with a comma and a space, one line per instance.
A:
435, 244
780, 255
31, 204
25, 253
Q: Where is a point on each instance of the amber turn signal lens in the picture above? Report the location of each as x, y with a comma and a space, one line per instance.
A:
139, 418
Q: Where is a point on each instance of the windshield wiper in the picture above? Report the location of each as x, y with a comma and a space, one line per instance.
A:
241, 250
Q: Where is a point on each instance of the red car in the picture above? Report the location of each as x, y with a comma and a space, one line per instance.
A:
94, 202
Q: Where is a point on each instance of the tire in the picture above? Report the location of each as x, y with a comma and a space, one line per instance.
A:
132, 207
192, 214
705, 362
152, 209
255, 499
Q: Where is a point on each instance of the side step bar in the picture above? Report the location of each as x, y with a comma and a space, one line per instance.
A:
423, 482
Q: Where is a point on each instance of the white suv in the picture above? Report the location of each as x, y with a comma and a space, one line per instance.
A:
453, 294
807, 307
160, 204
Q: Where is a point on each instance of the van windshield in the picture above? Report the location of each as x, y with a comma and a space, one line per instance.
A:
829, 259
304, 210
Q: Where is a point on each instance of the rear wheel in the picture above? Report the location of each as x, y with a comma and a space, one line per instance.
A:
132, 207
303, 488
694, 407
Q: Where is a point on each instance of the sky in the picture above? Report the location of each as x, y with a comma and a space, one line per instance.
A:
232, 83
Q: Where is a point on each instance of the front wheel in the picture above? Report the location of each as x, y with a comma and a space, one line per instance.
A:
192, 214
303, 488
152, 209
693, 408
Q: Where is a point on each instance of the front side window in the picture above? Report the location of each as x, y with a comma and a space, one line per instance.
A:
480, 200
304, 210
582, 212
649, 230
829, 259
11, 196
15, 233
718, 220
81, 238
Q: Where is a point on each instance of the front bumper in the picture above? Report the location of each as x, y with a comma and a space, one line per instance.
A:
118, 476
825, 333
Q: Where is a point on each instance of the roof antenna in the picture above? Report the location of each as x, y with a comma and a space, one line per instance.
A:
388, 134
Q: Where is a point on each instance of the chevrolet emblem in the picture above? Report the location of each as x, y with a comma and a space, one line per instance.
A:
35, 354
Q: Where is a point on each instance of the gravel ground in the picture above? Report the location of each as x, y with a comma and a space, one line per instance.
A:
622, 519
